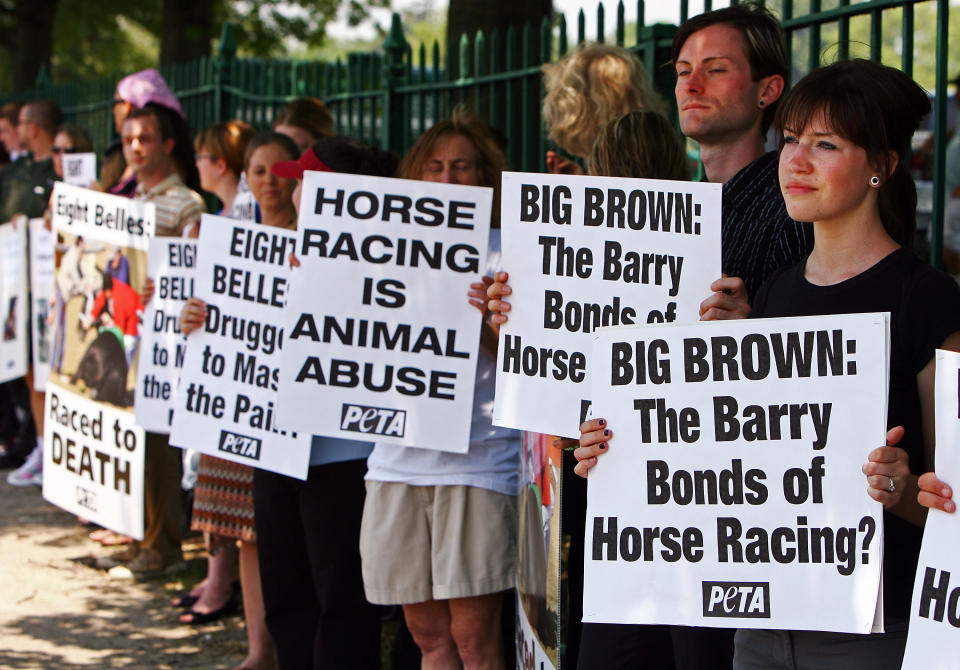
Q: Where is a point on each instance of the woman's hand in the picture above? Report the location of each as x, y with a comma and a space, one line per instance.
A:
728, 300
557, 164
887, 470
294, 261
935, 494
146, 291
594, 436
477, 295
495, 292
193, 315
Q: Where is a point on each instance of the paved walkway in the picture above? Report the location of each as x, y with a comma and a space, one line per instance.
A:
57, 611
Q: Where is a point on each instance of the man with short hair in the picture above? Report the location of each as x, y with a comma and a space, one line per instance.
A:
148, 143
731, 70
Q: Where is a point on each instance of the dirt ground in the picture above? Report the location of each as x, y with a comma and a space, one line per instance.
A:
58, 611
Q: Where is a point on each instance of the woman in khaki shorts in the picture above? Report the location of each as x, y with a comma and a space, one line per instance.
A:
439, 528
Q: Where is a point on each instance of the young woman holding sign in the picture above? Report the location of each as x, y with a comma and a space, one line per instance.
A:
274, 196
845, 134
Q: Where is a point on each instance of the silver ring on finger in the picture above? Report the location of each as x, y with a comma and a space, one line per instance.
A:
893, 486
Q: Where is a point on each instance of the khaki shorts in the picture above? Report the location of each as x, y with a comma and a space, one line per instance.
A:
421, 543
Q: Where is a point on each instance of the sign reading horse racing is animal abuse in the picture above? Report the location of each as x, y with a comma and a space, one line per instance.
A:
93, 453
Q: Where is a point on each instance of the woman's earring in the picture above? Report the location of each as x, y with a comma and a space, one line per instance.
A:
875, 181
762, 103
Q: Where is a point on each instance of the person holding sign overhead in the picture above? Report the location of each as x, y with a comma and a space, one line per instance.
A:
439, 528
844, 132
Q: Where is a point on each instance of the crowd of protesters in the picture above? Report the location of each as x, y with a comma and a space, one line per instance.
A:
821, 225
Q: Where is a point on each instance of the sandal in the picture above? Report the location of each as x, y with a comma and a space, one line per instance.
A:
184, 599
194, 618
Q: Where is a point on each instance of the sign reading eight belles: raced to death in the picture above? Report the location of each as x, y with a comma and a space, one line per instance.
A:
381, 339
732, 494
585, 252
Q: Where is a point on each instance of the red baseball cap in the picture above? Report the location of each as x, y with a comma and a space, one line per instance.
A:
295, 169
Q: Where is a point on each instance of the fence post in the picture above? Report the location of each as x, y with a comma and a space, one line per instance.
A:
395, 46
222, 71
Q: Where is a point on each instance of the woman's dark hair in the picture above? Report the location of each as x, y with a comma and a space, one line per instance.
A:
309, 114
876, 107
227, 140
350, 156
639, 144
270, 137
79, 137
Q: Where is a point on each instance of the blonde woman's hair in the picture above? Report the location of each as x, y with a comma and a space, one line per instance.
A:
639, 144
588, 87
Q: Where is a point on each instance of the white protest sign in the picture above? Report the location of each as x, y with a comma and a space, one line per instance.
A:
226, 405
171, 265
42, 268
933, 641
585, 252
79, 169
111, 218
93, 449
13, 300
732, 494
93, 461
381, 340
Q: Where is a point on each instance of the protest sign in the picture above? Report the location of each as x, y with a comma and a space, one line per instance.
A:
93, 464
93, 461
584, 252
79, 169
171, 264
226, 405
381, 340
538, 558
732, 494
13, 299
933, 640
42, 268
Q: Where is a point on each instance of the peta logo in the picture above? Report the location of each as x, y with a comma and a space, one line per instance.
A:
373, 420
240, 445
749, 600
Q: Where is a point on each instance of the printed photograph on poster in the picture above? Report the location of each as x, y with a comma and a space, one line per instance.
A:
731, 494
538, 560
171, 263
933, 637
382, 342
93, 454
226, 404
42, 278
14, 337
588, 252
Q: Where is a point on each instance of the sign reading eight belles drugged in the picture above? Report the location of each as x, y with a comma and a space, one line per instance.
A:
226, 404
732, 494
585, 252
381, 340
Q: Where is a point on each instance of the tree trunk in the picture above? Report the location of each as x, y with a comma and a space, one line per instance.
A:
32, 40
187, 30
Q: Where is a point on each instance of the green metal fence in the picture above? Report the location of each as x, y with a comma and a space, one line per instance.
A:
389, 97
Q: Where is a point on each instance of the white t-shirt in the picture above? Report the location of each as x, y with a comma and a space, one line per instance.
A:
493, 458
